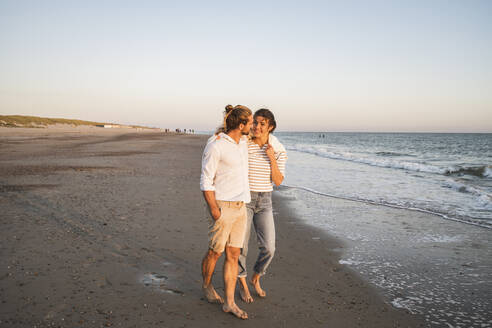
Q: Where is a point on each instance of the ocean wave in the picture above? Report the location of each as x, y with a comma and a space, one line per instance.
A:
464, 188
390, 154
484, 171
477, 171
483, 198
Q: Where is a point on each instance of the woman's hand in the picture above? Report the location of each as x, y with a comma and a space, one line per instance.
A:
270, 153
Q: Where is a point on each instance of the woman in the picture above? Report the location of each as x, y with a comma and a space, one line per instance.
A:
266, 166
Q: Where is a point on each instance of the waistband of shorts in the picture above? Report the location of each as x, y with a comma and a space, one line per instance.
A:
233, 204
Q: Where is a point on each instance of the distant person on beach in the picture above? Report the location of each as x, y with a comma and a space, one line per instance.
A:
224, 182
266, 162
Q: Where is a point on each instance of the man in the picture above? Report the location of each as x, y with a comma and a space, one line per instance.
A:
224, 182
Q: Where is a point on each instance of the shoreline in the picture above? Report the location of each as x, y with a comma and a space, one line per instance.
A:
109, 230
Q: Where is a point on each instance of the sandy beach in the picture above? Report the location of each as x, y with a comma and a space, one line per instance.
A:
107, 227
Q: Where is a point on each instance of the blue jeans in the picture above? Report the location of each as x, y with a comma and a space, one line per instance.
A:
260, 213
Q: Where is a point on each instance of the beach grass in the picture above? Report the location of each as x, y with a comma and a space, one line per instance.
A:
33, 121
21, 121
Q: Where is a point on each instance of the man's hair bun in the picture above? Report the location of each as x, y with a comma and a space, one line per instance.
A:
228, 108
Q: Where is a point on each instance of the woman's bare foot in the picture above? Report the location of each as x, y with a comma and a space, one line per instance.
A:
235, 310
244, 290
211, 295
255, 281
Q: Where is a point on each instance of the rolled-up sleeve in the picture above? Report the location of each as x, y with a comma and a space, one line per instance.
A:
210, 161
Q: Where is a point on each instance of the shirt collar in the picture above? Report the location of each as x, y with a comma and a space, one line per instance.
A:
226, 137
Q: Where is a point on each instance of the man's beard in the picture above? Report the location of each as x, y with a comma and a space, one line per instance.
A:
244, 133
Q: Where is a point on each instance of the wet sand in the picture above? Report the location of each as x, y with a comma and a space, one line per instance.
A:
104, 228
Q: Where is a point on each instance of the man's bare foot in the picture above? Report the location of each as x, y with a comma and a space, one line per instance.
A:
245, 295
255, 281
235, 310
212, 295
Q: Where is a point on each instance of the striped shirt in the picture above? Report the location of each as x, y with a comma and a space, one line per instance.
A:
259, 170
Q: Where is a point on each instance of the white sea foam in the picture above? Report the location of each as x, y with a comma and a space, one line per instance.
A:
354, 262
401, 303
481, 223
440, 239
485, 201
356, 237
350, 262
347, 262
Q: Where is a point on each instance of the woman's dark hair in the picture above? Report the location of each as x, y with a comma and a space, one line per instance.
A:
233, 116
268, 115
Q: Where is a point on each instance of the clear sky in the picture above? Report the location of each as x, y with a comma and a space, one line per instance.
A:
318, 65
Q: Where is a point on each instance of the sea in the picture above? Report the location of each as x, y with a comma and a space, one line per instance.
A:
423, 229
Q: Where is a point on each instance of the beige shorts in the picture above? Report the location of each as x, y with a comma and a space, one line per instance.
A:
230, 228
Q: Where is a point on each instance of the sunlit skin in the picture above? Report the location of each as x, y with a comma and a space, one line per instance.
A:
232, 253
260, 132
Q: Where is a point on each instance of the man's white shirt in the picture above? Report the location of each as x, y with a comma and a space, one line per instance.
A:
225, 168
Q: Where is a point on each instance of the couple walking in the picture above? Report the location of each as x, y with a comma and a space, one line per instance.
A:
239, 166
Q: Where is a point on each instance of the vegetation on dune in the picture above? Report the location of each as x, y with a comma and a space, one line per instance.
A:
33, 121
21, 121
